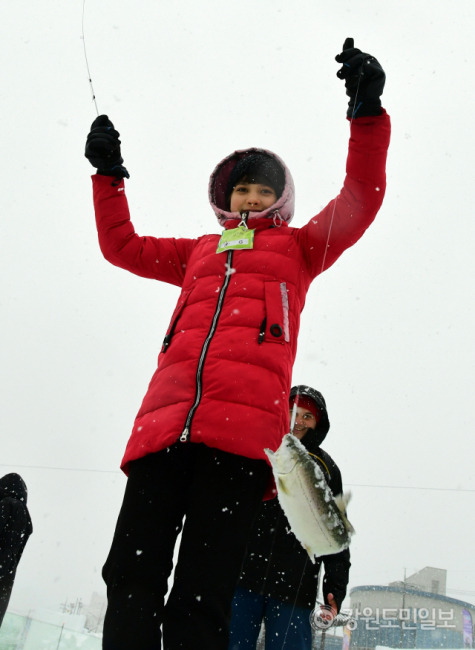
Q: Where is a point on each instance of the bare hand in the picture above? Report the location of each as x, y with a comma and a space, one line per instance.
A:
332, 604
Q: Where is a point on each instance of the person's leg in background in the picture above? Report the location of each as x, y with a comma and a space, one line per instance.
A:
287, 626
246, 619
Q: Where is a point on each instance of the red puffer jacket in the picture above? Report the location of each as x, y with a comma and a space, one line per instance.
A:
224, 372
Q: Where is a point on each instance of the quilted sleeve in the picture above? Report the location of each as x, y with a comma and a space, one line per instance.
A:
150, 257
344, 220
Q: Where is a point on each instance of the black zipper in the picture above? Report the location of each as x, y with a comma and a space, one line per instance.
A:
185, 434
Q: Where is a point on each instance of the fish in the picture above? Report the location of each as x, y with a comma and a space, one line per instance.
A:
317, 518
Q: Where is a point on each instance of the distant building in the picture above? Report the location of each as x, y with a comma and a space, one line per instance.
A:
414, 613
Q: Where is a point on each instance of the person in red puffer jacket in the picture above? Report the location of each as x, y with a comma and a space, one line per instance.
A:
219, 394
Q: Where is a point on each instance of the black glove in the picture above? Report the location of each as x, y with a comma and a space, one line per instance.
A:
103, 148
364, 80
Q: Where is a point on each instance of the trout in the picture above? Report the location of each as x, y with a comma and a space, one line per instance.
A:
317, 519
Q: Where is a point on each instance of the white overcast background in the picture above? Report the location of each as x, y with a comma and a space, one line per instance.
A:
387, 332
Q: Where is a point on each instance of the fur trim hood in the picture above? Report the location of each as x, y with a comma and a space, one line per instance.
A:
283, 207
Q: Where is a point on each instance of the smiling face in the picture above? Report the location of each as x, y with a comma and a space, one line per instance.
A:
252, 197
304, 420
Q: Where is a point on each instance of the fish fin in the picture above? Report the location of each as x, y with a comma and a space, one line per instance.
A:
310, 554
347, 524
271, 455
351, 530
342, 500
282, 487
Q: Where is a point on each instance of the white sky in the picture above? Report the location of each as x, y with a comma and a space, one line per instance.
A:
386, 333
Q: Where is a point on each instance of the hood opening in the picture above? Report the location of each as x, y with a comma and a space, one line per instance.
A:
221, 180
318, 435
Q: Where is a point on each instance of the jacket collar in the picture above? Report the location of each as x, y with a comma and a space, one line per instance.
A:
262, 221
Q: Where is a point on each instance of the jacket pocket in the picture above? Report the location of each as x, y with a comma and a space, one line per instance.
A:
275, 326
182, 300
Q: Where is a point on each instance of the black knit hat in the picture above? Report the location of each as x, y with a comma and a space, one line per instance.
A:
257, 168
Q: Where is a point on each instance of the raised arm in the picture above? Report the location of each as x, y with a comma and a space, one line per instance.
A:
150, 257
344, 220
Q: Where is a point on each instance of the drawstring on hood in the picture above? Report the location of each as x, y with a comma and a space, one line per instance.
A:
277, 219
222, 178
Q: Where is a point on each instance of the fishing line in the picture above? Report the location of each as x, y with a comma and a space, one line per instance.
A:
292, 423
295, 600
87, 62
294, 414
294, 411
336, 199
280, 515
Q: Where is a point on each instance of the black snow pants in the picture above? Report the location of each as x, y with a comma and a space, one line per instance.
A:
218, 494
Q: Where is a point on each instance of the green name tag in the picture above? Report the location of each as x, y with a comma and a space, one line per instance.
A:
236, 239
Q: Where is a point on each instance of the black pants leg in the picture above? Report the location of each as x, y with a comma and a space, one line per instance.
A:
141, 555
228, 491
219, 494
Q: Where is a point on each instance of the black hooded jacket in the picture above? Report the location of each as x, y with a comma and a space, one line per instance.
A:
276, 564
15, 528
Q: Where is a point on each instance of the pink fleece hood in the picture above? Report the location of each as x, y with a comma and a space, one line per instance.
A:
283, 207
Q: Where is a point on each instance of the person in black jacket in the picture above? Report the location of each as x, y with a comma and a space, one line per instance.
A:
15, 528
278, 582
